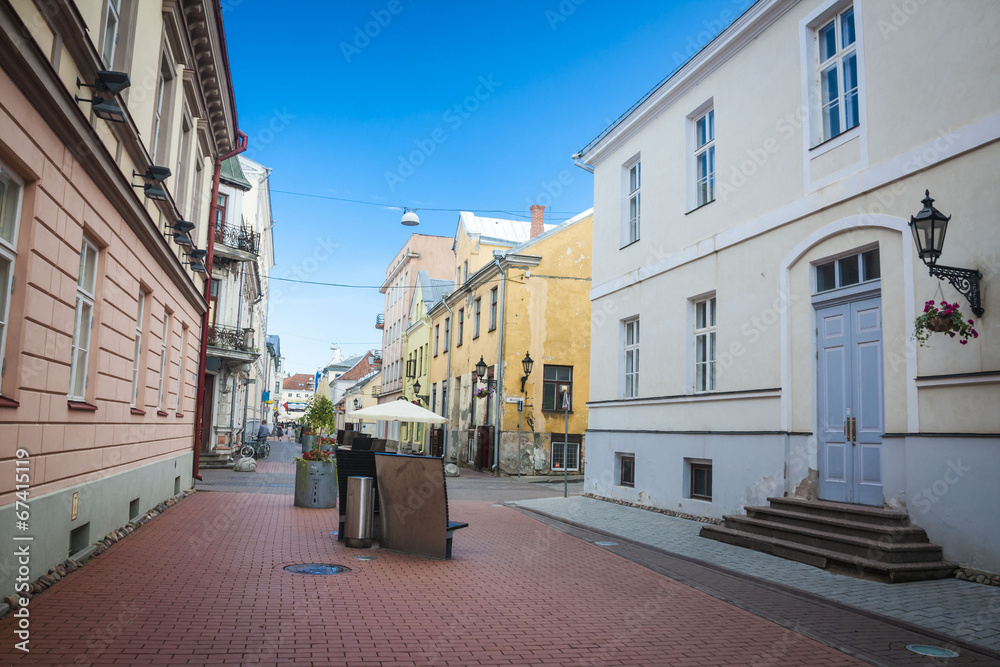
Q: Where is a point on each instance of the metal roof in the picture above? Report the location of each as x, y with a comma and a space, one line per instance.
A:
497, 229
232, 173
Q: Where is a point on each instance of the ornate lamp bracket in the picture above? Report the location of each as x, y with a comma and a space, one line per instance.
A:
966, 281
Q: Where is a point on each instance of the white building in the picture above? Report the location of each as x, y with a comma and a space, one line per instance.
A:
752, 243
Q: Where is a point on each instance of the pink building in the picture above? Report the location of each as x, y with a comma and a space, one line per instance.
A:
101, 279
421, 252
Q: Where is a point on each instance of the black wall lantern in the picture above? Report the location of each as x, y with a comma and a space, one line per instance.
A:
481, 373
527, 363
152, 182
929, 227
416, 389
107, 85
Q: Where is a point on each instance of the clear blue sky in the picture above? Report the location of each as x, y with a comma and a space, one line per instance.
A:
455, 105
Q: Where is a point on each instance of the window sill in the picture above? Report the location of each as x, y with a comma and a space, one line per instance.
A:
627, 486
700, 499
555, 411
81, 405
629, 243
845, 136
179, 415
8, 403
137, 411
700, 206
161, 413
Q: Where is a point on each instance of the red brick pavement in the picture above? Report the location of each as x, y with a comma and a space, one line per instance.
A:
203, 585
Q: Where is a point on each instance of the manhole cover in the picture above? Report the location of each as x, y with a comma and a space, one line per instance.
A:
364, 558
316, 568
932, 651
606, 544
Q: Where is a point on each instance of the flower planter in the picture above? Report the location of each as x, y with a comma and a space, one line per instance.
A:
308, 441
940, 324
315, 484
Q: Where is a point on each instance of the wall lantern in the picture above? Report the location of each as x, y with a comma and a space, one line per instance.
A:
357, 403
198, 267
416, 388
182, 226
106, 86
929, 227
527, 363
410, 218
481, 373
183, 239
152, 182
198, 255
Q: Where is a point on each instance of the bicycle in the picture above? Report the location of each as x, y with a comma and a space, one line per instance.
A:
258, 449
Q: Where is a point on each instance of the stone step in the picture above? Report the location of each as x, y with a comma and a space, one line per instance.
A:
896, 533
827, 559
883, 550
826, 508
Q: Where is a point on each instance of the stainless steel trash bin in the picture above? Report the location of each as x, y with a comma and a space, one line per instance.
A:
360, 512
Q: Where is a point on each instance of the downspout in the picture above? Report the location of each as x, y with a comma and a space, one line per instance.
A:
199, 414
496, 412
581, 165
448, 371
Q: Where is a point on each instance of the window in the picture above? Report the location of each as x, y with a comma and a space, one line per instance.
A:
180, 174
10, 203
164, 347
213, 301
180, 370
631, 358
220, 211
434, 397
137, 350
704, 157
465, 271
161, 85
460, 330
848, 271
437, 331
634, 178
561, 449
493, 309
704, 345
555, 377
475, 317
838, 74
111, 23
626, 475
701, 479
86, 285
447, 333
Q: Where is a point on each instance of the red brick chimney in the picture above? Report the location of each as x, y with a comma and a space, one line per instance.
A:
537, 219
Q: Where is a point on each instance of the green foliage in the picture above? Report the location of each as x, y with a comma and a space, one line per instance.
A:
320, 415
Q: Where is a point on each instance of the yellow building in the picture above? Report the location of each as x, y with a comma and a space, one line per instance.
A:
523, 289
363, 394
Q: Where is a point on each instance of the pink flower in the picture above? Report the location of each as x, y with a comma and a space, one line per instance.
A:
963, 341
972, 322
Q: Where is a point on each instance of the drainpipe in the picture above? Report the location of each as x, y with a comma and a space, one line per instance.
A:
199, 412
496, 413
581, 165
448, 370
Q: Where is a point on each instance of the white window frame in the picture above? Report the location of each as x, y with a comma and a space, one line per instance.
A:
180, 370
493, 309
842, 53
477, 315
83, 330
704, 341
704, 152
553, 457
630, 353
9, 206
460, 328
631, 194
164, 348
137, 352
114, 12
161, 84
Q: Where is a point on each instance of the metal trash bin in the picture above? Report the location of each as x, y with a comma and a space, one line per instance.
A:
360, 512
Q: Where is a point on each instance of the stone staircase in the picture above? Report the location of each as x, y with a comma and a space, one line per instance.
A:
215, 460
869, 542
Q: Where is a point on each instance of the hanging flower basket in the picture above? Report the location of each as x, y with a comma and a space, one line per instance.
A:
483, 392
943, 318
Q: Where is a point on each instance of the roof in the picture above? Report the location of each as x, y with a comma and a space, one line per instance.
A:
298, 381
232, 173
432, 289
552, 230
496, 230
361, 367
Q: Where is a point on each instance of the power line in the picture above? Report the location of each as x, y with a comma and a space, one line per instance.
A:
348, 286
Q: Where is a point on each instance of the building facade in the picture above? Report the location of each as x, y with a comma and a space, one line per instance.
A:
752, 243
296, 392
526, 295
101, 288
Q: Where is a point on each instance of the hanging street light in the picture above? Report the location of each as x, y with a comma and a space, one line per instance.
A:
410, 218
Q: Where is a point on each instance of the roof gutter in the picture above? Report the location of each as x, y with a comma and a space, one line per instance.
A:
500, 367
447, 377
581, 165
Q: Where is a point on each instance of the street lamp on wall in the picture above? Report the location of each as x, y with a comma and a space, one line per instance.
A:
929, 227
527, 363
481, 373
105, 87
416, 389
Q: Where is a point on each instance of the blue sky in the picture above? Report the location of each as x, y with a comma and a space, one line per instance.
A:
448, 105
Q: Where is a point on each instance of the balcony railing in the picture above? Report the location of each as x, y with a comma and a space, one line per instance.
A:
376, 391
230, 338
240, 238
380, 321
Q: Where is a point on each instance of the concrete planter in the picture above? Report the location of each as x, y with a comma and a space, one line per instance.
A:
315, 484
307, 442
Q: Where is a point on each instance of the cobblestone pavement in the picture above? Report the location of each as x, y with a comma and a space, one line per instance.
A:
204, 584
959, 609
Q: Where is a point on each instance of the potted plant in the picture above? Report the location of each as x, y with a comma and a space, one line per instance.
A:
943, 318
316, 479
483, 392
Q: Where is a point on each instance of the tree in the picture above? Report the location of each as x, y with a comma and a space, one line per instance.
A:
320, 415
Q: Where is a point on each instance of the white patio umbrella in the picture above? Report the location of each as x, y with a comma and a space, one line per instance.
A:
397, 411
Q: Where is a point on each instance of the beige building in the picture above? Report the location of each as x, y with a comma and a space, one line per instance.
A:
421, 252
751, 241
100, 308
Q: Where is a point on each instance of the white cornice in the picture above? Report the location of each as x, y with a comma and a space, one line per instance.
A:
743, 30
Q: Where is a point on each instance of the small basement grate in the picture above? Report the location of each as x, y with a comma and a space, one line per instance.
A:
316, 568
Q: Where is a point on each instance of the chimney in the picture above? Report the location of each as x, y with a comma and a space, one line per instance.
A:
537, 219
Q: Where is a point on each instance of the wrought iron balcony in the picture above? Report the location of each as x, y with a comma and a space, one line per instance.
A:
230, 338
240, 238
380, 321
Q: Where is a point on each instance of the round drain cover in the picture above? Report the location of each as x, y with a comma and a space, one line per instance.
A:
316, 568
606, 544
933, 651
364, 558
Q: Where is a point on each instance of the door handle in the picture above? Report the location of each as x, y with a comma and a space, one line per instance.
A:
854, 430
847, 428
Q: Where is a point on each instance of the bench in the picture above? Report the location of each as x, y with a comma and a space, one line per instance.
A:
414, 498
354, 463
